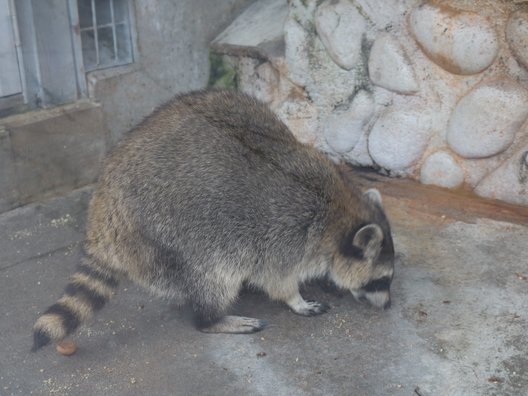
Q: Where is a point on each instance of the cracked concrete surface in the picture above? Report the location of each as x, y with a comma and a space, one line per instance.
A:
457, 325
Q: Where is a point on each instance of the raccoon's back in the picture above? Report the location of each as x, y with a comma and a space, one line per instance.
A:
220, 168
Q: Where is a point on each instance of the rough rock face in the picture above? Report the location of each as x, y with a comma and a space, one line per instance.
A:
433, 90
260, 81
302, 118
460, 42
509, 182
486, 120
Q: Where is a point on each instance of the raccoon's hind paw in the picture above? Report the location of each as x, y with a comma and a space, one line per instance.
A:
311, 308
235, 325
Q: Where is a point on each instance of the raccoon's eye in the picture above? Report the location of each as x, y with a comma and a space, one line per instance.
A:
381, 284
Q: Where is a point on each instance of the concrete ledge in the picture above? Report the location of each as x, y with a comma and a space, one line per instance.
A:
257, 33
48, 152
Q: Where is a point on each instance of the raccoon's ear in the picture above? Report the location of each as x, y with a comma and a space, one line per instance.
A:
373, 195
369, 239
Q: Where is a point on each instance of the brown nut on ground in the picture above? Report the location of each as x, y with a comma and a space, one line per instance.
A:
66, 347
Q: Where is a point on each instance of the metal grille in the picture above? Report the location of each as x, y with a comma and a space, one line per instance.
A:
105, 33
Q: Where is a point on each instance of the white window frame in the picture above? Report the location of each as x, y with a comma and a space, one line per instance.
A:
96, 26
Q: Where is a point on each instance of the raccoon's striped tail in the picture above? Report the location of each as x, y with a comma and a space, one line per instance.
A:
87, 292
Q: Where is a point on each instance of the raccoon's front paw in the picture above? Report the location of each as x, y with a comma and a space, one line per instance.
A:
311, 308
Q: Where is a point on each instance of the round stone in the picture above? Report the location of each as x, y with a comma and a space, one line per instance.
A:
390, 68
460, 42
441, 170
343, 129
485, 121
517, 36
399, 138
340, 27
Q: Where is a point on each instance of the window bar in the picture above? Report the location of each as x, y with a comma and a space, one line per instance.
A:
114, 35
96, 38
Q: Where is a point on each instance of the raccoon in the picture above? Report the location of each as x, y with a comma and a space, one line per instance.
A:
212, 192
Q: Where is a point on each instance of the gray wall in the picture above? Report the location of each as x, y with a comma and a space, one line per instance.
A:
50, 151
173, 45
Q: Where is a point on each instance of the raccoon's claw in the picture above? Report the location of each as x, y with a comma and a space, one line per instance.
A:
313, 308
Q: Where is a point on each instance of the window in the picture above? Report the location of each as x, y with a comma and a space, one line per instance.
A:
47, 47
105, 33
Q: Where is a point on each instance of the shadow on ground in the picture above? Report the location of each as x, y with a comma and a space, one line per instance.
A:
457, 325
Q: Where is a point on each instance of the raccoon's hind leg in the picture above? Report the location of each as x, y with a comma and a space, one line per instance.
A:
209, 311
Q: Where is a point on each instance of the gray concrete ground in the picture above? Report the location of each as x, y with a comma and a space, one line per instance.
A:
458, 325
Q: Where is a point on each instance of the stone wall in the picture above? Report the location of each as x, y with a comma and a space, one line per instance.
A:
434, 90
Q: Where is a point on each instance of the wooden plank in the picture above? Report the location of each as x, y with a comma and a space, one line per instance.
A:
455, 204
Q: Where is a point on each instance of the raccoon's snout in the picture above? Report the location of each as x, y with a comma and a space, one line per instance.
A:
379, 299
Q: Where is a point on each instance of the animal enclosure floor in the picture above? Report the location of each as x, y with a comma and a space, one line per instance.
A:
457, 326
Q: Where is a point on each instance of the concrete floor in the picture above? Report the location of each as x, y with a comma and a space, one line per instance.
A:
457, 326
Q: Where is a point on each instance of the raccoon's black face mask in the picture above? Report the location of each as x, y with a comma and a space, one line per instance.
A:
370, 251
366, 266
376, 289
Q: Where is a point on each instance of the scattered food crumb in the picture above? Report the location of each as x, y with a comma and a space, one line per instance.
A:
133, 380
495, 380
66, 347
521, 276
61, 221
261, 354
422, 313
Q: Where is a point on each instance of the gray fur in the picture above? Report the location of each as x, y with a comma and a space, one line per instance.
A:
211, 192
